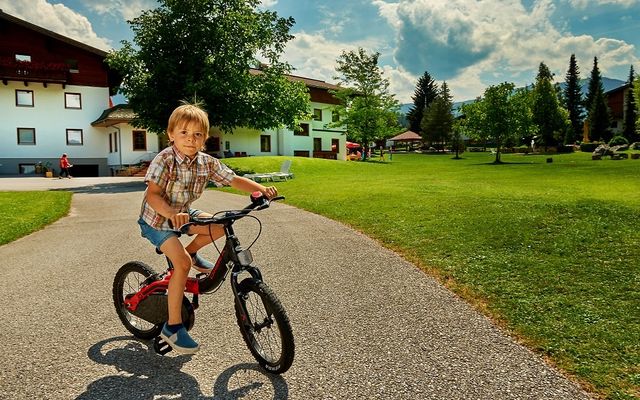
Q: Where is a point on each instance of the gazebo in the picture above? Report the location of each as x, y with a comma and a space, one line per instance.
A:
407, 137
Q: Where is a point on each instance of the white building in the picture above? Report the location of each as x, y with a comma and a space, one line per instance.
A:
54, 99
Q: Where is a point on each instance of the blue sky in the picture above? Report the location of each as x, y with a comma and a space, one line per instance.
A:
469, 43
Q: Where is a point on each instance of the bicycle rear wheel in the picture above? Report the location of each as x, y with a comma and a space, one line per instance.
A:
129, 279
265, 326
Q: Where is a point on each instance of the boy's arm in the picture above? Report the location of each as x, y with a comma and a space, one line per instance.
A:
247, 185
160, 205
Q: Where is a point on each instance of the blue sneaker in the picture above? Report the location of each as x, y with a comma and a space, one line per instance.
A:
200, 264
180, 341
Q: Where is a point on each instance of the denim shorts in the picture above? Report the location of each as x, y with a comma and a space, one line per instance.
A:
156, 236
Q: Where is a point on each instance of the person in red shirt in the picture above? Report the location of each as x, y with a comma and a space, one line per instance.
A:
64, 166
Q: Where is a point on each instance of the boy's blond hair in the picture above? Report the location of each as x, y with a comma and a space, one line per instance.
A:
187, 113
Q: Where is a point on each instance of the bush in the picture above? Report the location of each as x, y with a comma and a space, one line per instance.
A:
589, 147
618, 140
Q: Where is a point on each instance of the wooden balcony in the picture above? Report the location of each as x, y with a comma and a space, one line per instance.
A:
24, 71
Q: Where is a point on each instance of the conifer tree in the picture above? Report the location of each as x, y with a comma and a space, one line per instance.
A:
426, 91
546, 109
573, 101
597, 108
437, 122
631, 111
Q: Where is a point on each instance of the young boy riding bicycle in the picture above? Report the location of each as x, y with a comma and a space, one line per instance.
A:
176, 177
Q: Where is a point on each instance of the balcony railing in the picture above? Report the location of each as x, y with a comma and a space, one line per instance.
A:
11, 69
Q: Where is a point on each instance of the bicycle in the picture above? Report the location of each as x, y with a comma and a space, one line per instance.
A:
140, 295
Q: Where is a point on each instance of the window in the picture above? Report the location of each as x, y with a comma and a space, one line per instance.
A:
110, 143
317, 114
212, 144
115, 142
317, 144
335, 116
73, 100
301, 153
24, 98
26, 169
335, 143
227, 145
27, 136
74, 137
304, 131
139, 140
23, 57
265, 143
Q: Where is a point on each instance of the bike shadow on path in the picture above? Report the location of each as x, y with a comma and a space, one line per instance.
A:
102, 188
143, 374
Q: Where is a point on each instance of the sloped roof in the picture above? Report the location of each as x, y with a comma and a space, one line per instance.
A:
117, 114
407, 136
314, 83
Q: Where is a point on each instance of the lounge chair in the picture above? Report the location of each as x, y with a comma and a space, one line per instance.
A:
281, 175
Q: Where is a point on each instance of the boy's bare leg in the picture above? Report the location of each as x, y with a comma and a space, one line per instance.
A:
181, 261
203, 236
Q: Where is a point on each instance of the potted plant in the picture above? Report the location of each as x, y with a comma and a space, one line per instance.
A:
48, 171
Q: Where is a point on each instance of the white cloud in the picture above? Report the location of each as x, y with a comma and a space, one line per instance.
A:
57, 18
268, 3
581, 4
476, 44
127, 9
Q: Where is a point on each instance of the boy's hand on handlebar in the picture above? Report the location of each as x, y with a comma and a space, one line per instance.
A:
177, 220
270, 192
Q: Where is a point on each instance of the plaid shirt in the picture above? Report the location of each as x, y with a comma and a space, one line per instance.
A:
183, 181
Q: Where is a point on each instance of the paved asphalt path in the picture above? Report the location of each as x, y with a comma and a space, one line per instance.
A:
371, 327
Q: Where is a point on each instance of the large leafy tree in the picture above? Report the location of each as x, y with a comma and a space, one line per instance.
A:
203, 50
501, 116
596, 104
437, 122
573, 101
547, 114
426, 91
367, 108
631, 113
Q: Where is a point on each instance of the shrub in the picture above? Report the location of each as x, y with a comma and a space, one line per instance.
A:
618, 140
589, 147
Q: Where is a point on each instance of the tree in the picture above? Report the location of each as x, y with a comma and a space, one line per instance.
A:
546, 109
203, 49
503, 115
573, 101
426, 91
631, 113
366, 107
597, 108
437, 122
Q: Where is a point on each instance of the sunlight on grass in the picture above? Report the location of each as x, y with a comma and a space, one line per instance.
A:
549, 250
22, 213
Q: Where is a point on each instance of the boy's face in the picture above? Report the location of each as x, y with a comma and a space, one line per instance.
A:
188, 137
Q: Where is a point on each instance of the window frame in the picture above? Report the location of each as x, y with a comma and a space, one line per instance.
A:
33, 101
317, 114
66, 104
133, 139
81, 137
265, 139
304, 132
33, 130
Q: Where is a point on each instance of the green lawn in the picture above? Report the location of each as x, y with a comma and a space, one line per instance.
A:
551, 251
24, 212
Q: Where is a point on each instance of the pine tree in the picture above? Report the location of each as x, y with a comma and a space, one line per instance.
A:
597, 108
631, 113
546, 109
426, 91
437, 122
573, 101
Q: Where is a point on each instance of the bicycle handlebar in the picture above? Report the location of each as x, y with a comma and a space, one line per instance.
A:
258, 202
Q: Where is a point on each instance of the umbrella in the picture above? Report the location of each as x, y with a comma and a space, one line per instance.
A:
351, 145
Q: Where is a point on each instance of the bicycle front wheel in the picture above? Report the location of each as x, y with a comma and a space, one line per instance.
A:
265, 326
129, 279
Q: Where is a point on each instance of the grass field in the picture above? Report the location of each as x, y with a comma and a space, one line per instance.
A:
551, 251
24, 212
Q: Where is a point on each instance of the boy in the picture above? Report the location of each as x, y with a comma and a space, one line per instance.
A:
176, 177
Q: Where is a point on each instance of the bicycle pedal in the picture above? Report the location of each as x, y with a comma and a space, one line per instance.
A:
160, 346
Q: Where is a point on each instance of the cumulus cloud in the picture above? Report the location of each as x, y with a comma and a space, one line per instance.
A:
475, 44
268, 3
127, 9
581, 4
57, 18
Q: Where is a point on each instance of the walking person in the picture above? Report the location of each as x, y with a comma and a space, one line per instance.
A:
64, 166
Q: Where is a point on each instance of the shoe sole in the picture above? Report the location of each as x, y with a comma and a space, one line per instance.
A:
178, 349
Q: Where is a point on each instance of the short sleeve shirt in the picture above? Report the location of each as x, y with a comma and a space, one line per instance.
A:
183, 181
